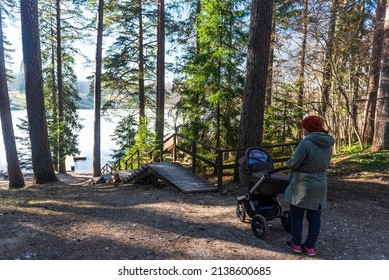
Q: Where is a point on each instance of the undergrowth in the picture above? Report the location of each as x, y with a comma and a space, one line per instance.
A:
352, 160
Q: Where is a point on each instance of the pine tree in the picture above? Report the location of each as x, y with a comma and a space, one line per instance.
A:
160, 112
97, 90
41, 157
252, 117
15, 176
58, 36
130, 66
211, 82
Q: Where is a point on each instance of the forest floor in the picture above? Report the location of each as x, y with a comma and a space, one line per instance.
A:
73, 220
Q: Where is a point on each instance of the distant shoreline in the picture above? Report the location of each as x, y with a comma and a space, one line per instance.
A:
18, 101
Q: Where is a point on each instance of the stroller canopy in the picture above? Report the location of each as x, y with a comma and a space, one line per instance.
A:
256, 156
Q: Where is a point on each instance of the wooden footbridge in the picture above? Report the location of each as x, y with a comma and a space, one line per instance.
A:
176, 175
171, 172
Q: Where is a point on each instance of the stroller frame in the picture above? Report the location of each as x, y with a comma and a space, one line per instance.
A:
260, 203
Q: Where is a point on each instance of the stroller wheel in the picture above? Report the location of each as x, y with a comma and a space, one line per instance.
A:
259, 226
285, 220
240, 212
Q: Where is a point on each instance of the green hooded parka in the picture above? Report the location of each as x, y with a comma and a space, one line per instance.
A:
309, 162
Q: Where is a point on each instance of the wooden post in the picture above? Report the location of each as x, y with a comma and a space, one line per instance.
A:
160, 152
174, 147
236, 172
219, 171
155, 180
194, 157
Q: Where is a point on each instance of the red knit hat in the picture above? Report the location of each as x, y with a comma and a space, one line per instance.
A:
313, 124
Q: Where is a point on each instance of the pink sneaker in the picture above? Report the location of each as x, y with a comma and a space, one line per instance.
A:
309, 251
294, 248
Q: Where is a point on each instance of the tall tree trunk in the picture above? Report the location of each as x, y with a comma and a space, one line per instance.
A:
228, 141
61, 118
327, 74
54, 93
142, 99
374, 73
160, 119
15, 175
381, 128
198, 13
356, 67
97, 91
218, 107
300, 80
42, 163
252, 117
269, 82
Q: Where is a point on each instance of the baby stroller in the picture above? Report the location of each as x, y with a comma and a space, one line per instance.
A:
256, 171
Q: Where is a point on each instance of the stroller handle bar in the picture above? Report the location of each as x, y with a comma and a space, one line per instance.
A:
263, 178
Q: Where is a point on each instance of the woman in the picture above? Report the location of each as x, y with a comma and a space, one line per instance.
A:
307, 190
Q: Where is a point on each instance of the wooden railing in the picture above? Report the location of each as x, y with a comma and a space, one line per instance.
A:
132, 162
217, 159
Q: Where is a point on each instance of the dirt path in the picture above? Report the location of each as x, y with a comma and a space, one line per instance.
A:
73, 220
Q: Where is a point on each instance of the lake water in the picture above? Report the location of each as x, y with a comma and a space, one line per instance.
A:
85, 138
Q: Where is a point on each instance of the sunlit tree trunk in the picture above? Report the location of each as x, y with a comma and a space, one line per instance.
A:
300, 80
374, 73
269, 86
381, 128
97, 91
61, 118
15, 175
142, 99
54, 96
327, 74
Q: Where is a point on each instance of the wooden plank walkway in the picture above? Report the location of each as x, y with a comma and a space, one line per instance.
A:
176, 175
